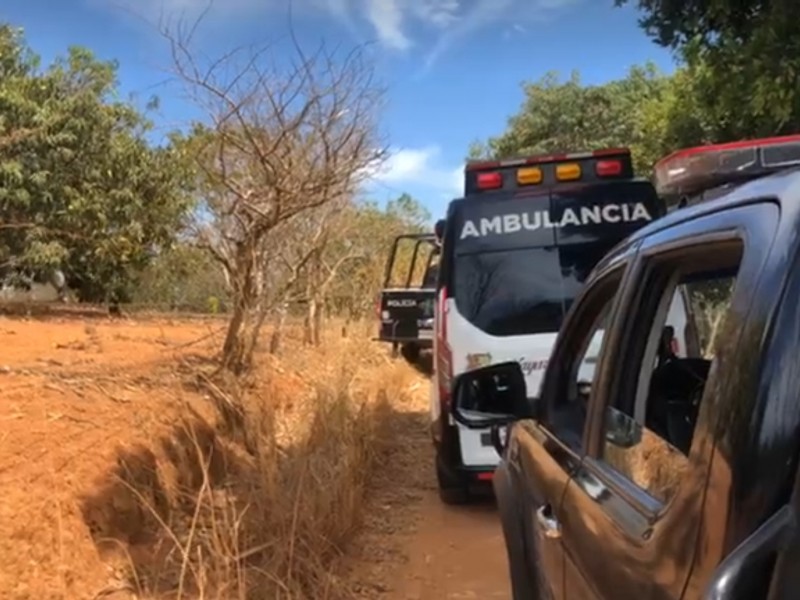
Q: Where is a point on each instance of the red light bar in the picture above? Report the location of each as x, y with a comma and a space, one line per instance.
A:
694, 170
490, 181
513, 174
608, 168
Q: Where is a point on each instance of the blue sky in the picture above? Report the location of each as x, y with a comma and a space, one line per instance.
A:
452, 68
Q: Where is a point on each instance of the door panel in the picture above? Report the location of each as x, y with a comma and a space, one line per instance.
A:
546, 464
617, 550
406, 315
550, 452
620, 541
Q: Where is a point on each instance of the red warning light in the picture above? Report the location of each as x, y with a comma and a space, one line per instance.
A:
490, 181
608, 168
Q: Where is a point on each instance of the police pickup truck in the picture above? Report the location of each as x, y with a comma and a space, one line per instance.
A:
661, 476
405, 305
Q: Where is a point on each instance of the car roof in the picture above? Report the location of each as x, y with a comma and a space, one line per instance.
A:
782, 188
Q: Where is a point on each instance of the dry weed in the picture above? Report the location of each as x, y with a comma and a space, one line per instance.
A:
277, 493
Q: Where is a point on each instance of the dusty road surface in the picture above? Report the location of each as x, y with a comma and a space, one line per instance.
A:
414, 546
455, 554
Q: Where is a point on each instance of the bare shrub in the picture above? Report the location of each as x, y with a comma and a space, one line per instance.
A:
279, 142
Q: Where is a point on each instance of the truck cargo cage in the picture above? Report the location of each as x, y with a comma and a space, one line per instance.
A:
546, 170
705, 172
405, 306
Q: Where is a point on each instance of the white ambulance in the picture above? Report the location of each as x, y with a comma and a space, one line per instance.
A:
516, 252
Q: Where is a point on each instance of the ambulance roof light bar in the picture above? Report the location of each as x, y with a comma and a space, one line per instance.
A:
516, 174
693, 171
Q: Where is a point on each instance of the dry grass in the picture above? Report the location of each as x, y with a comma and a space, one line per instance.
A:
277, 492
290, 496
177, 499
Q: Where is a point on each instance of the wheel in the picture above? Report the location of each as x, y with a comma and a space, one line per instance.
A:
453, 490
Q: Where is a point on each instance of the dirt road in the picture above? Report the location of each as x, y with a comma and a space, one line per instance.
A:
415, 547
455, 553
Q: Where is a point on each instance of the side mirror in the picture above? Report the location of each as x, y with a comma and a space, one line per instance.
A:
490, 396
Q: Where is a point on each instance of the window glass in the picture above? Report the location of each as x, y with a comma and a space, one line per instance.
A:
411, 264
523, 291
649, 442
567, 416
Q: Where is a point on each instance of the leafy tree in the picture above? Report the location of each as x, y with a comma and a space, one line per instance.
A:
183, 277
405, 211
673, 23
371, 237
558, 116
80, 186
743, 56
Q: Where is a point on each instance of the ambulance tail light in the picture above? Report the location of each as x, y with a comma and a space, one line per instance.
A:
529, 176
568, 172
608, 168
693, 171
490, 181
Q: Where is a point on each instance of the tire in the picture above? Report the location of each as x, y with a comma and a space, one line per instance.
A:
410, 352
453, 490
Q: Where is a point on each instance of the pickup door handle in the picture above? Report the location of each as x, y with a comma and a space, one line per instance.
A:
549, 524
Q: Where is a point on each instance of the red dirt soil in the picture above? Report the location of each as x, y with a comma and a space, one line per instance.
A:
84, 402
77, 395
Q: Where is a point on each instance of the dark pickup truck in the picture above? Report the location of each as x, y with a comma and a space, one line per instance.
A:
405, 307
669, 473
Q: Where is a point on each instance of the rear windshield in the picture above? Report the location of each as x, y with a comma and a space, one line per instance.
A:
520, 262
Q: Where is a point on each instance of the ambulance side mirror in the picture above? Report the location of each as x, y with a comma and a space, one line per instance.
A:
490, 396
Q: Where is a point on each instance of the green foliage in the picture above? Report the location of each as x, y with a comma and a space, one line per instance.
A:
370, 240
674, 23
743, 56
739, 79
406, 212
183, 278
650, 112
561, 115
80, 186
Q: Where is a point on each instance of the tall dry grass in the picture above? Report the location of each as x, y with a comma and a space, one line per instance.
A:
273, 496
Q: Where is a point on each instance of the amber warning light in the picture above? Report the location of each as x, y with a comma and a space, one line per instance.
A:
695, 170
547, 170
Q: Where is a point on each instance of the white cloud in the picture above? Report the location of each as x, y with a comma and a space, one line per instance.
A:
420, 167
387, 17
392, 19
439, 13
397, 24
485, 13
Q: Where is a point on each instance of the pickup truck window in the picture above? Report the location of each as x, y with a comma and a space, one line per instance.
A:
648, 437
567, 417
